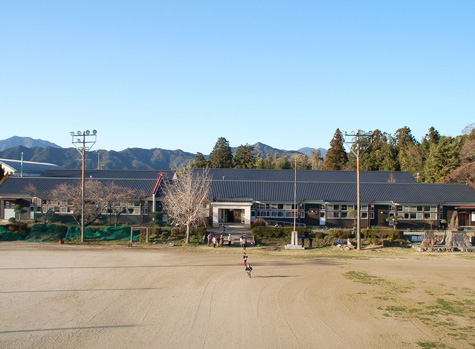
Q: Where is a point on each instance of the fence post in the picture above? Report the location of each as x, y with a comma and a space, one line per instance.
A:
147, 236
131, 234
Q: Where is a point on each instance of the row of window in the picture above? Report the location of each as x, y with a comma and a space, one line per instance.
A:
278, 214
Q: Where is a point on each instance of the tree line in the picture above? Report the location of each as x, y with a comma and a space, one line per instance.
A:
435, 159
222, 157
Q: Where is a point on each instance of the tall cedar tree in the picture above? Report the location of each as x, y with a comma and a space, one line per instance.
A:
380, 155
199, 162
222, 155
336, 157
244, 157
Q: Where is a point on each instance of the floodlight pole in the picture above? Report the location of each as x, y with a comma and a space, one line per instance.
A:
83, 141
360, 140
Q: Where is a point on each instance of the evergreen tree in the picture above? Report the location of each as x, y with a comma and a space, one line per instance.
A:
221, 156
283, 164
442, 160
410, 159
379, 156
336, 157
431, 138
244, 157
199, 162
409, 156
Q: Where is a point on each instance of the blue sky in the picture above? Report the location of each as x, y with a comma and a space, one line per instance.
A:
180, 74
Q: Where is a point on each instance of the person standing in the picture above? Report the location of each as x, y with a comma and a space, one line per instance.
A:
303, 240
230, 239
244, 242
214, 241
221, 240
244, 258
209, 239
310, 241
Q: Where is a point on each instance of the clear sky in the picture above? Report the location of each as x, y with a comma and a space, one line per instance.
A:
180, 74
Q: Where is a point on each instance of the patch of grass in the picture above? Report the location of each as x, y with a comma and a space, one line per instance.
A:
449, 307
430, 345
396, 309
364, 278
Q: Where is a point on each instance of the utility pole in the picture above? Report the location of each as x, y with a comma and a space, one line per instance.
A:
83, 141
358, 142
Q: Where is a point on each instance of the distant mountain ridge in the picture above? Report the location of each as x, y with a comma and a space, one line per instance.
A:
28, 142
128, 159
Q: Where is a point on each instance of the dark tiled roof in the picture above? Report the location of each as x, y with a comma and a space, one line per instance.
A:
310, 176
16, 186
110, 174
342, 192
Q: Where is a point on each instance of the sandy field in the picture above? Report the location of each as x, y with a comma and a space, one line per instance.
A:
70, 296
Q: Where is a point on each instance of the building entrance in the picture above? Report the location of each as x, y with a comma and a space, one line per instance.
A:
231, 215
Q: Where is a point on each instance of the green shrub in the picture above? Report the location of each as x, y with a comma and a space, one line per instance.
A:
258, 224
389, 234
340, 233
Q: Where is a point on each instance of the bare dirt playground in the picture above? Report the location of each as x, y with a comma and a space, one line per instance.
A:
71, 296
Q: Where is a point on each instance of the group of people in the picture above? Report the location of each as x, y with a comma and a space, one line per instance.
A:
218, 241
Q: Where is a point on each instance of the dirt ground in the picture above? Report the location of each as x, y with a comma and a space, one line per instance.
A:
70, 296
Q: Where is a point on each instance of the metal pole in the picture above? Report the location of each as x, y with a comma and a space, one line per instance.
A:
83, 144
295, 198
83, 187
361, 140
358, 205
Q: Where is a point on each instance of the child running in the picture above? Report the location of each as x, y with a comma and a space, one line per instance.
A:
248, 269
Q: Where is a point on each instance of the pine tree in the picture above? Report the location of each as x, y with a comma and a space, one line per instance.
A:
244, 157
283, 164
222, 155
379, 156
336, 157
442, 160
199, 162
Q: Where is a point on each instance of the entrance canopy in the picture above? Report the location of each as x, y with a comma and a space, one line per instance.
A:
231, 213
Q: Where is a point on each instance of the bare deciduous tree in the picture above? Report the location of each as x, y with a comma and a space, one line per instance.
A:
116, 197
186, 197
99, 197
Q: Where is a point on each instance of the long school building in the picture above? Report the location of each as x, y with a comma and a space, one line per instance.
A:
238, 196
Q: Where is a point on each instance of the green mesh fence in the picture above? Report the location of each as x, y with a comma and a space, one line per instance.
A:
7, 235
49, 232
104, 234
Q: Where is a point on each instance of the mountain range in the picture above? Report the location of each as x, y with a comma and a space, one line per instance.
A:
128, 159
